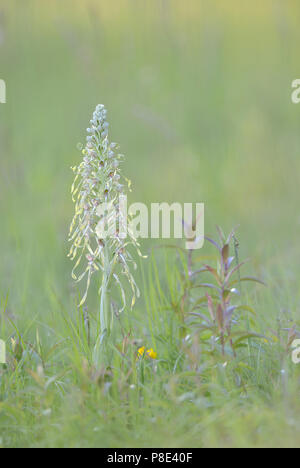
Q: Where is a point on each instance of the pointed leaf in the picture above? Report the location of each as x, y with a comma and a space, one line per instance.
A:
210, 307
247, 278
225, 253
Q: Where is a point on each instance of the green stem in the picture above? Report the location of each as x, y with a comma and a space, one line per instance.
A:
104, 302
104, 318
104, 325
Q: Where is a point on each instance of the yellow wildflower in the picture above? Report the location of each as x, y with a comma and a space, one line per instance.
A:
151, 353
141, 351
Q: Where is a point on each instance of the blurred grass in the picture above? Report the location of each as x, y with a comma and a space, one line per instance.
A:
198, 94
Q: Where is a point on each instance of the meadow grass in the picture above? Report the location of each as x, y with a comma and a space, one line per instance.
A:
199, 97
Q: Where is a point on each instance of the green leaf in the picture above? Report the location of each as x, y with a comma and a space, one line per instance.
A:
225, 253
247, 308
246, 335
206, 335
214, 272
247, 278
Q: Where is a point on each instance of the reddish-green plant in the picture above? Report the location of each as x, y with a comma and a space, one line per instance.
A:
218, 314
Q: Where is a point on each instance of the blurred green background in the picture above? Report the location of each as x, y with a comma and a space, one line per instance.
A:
199, 97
